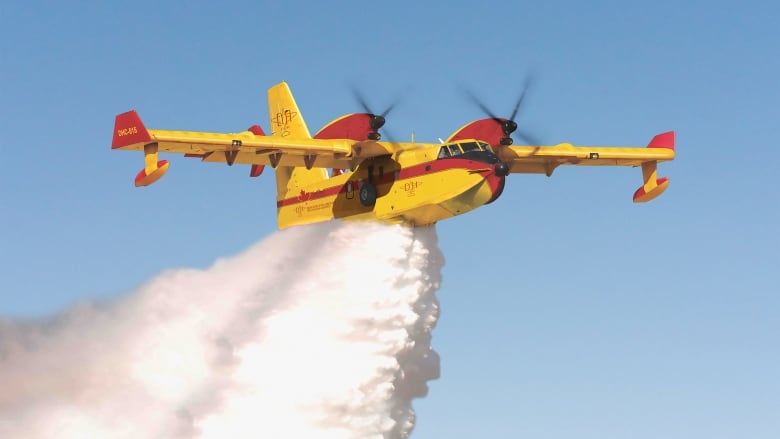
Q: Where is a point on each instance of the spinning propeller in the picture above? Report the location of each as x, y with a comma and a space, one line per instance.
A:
508, 125
376, 121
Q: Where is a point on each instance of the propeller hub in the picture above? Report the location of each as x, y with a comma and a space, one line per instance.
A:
376, 122
501, 169
506, 125
509, 127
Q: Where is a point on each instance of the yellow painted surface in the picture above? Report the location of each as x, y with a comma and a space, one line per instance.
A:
302, 164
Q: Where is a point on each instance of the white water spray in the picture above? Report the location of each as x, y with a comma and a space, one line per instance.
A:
320, 331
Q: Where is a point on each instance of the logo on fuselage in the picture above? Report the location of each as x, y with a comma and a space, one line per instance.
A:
304, 196
411, 186
282, 121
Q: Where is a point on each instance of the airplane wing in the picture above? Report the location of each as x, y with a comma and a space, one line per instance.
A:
248, 147
544, 160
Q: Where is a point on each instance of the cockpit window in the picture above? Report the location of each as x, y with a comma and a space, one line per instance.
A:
470, 150
470, 147
485, 146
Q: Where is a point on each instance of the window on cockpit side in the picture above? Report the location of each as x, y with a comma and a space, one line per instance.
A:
444, 152
486, 146
470, 147
455, 150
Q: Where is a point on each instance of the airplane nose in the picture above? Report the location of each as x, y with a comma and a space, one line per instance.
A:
502, 169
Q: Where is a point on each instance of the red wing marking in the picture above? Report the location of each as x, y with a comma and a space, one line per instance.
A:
129, 130
664, 140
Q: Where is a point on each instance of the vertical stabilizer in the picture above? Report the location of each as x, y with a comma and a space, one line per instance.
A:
287, 121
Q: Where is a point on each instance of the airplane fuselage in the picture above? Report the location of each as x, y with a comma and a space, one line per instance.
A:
415, 187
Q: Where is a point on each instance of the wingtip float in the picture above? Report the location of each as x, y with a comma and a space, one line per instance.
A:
346, 171
654, 186
129, 131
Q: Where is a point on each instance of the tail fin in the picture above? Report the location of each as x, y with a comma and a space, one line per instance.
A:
287, 121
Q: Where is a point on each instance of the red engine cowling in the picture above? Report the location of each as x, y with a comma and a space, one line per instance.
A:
356, 126
486, 130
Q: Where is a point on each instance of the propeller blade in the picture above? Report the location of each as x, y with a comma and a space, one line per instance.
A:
476, 101
529, 139
508, 125
367, 108
526, 85
361, 101
392, 106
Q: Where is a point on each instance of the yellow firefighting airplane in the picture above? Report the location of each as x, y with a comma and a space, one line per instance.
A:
345, 171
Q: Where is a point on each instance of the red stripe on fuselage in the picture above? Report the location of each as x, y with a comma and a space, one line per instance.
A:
390, 177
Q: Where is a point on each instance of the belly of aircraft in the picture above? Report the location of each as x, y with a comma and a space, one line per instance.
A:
438, 197
419, 200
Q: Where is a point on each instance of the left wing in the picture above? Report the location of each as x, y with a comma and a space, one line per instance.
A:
247, 147
544, 160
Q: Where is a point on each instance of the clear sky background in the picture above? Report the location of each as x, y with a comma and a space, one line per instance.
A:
567, 311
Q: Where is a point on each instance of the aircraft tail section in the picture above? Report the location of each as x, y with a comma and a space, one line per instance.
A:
287, 121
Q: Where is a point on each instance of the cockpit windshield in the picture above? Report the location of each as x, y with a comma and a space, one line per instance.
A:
472, 150
470, 147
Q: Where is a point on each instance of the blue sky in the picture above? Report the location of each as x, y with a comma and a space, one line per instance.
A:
566, 310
